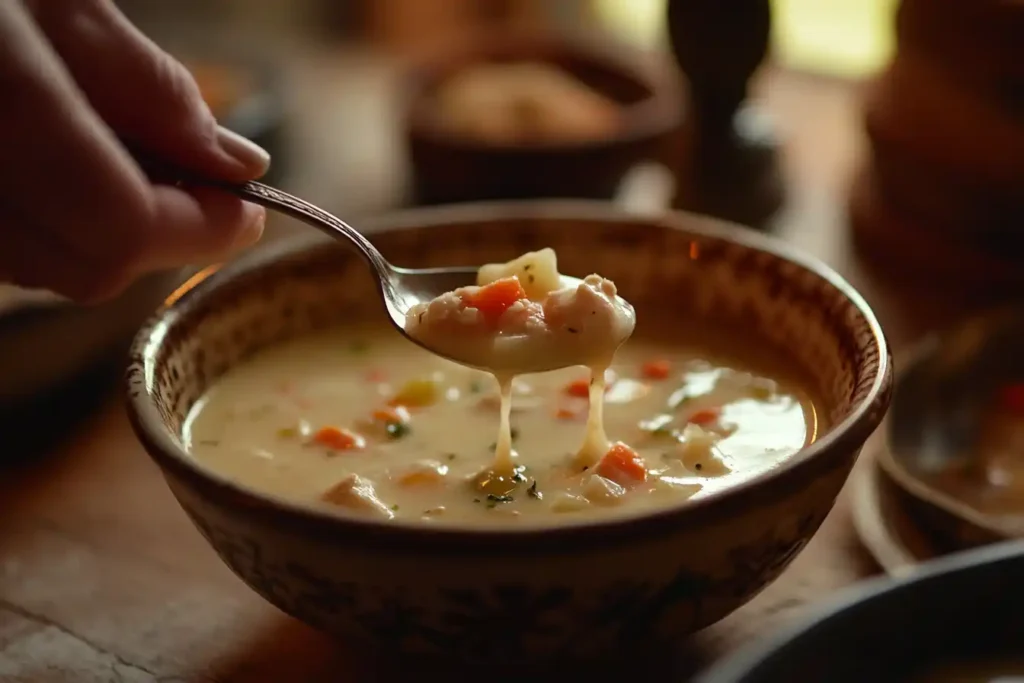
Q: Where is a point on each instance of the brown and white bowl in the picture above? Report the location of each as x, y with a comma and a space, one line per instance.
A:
484, 595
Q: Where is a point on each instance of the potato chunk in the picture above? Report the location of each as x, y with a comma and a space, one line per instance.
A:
537, 272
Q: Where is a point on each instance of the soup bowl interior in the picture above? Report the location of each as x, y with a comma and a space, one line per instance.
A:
559, 591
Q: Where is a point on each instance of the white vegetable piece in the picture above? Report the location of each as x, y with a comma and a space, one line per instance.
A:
537, 272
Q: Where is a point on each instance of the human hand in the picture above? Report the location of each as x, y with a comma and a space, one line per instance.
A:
77, 214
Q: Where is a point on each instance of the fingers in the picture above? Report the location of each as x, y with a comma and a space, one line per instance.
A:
198, 225
76, 214
31, 257
142, 92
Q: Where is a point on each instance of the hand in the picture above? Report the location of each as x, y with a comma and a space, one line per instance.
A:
77, 215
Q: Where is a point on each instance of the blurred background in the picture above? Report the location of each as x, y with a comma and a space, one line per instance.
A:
333, 69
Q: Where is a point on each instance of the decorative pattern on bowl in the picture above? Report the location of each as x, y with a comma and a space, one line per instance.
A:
485, 595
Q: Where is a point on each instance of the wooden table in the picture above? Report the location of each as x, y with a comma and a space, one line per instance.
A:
102, 577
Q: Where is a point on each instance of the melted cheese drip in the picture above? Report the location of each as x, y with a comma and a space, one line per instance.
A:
504, 456
573, 322
595, 440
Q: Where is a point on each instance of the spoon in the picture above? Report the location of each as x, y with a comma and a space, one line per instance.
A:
400, 288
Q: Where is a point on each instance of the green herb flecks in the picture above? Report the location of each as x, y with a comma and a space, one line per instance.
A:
532, 491
494, 501
660, 425
396, 430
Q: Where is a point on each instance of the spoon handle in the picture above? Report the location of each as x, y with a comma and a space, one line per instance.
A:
278, 200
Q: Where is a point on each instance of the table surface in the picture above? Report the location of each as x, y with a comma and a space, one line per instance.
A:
103, 578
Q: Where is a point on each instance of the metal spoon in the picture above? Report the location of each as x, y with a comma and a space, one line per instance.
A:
400, 288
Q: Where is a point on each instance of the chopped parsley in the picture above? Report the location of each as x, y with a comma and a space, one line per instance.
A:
394, 508
396, 430
476, 386
209, 442
532, 492
659, 424
494, 501
515, 433
359, 346
451, 456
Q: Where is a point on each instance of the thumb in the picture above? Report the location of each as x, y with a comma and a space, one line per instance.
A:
145, 95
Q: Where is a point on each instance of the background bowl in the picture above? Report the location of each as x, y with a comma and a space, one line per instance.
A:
450, 168
964, 607
485, 596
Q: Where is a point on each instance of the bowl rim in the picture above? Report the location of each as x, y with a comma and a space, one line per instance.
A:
737, 667
916, 487
655, 115
848, 435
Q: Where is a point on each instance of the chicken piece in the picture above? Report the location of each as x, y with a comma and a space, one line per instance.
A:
601, 491
358, 494
696, 450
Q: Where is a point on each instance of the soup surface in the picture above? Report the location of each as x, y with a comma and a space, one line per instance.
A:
362, 420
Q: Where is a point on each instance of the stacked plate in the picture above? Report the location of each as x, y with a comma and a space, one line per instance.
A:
946, 471
941, 195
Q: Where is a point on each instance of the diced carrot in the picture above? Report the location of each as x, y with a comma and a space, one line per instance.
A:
1011, 397
338, 439
656, 369
579, 388
622, 465
494, 299
566, 414
706, 416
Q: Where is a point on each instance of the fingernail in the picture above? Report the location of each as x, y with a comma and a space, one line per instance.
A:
257, 220
254, 158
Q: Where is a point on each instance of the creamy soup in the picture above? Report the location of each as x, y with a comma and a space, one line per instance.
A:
524, 316
364, 421
524, 102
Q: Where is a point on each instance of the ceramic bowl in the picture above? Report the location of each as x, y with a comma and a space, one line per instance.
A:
449, 168
482, 595
963, 610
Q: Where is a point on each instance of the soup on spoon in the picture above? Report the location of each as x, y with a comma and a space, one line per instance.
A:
524, 317
361, 420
